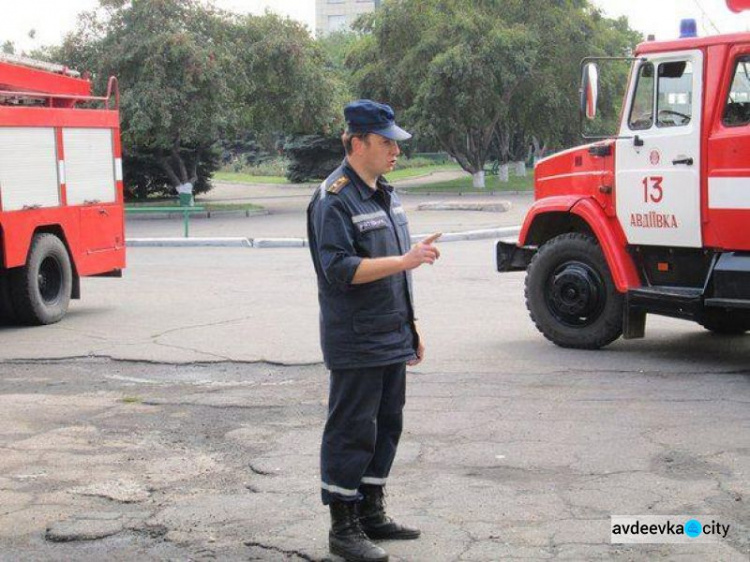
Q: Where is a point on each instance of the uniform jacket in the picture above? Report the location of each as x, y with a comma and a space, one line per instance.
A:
369, 324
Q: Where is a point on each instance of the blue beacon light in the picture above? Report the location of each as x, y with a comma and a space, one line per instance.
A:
688, 28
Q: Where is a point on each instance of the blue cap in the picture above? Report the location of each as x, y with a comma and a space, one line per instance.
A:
367, 116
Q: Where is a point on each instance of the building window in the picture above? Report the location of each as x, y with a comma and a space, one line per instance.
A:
337, 23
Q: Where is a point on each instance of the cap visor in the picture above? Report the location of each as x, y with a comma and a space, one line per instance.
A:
394, 132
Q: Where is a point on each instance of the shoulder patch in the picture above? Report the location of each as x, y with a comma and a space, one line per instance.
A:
338, 185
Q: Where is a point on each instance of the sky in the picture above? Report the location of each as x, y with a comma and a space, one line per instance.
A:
51, 19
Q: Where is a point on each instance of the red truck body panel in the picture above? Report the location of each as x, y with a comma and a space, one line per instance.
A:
577, 179
92, 229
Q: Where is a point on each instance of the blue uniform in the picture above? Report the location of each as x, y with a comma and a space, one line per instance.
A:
367, 331
370, 324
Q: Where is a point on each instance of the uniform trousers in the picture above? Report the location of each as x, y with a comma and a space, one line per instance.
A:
365, 419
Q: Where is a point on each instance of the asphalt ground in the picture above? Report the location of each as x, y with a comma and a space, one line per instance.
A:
175, 414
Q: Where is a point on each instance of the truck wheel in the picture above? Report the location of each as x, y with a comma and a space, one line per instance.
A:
570, 293
726, 322
41, 289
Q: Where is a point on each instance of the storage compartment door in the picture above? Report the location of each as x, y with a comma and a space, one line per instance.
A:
89, 166
28, 168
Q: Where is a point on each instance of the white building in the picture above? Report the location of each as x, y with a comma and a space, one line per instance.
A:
337, 15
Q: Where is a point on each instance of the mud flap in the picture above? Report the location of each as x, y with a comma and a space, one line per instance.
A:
512, 257
633, 322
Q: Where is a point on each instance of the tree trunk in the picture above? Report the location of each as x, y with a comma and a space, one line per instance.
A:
539, 149
478, 179
167, 167
502, 173
176, 170
520, 168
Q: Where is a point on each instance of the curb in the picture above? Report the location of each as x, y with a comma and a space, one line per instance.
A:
496, 193
499, 207
229, 242
226, 242
200, 215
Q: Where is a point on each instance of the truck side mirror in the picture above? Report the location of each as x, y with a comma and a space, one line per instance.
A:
589, 90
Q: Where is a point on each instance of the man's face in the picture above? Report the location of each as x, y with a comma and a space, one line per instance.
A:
379, 154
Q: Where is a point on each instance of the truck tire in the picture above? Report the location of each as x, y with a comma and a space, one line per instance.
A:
41, 289
726, 322
570, 294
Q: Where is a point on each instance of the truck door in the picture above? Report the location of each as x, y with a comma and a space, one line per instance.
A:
90, 182
728, 169
658, 157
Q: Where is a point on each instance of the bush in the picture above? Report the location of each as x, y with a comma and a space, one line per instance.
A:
273, 167
312, 157
144, 178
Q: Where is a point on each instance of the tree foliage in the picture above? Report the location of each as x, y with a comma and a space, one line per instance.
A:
312, 156
478, 76
546, 105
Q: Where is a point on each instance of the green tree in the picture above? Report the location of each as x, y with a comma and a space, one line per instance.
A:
283, 81
192, 75
545, 107
483, 78
452, 65
174, 75
337, 46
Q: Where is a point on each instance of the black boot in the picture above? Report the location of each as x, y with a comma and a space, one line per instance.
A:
346, 538
375, 523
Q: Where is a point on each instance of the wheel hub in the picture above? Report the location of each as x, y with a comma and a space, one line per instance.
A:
50, 280
575, 293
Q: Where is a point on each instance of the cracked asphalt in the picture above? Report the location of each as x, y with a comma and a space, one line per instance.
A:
176, 413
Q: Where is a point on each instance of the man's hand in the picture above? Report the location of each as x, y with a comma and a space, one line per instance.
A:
422, 252
420, 355
372, 269
420, 349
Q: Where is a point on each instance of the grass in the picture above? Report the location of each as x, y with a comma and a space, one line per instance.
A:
409, 173
163, 202
237, 177
464, 185
131, 400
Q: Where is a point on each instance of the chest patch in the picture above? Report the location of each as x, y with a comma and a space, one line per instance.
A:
370, 221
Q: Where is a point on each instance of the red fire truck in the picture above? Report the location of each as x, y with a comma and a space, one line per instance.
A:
61, 200
657, 219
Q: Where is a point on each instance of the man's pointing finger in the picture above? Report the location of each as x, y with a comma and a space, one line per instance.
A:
432, 238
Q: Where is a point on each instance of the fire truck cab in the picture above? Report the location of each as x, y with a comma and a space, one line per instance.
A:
655, 220
61, 196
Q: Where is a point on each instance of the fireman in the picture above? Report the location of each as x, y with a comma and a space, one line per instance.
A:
361, 251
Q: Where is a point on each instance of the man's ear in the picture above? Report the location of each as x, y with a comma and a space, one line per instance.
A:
358, 143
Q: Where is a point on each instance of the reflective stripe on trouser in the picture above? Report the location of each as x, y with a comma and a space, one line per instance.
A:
365, 417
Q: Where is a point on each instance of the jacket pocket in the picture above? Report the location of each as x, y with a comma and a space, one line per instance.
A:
377, 323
